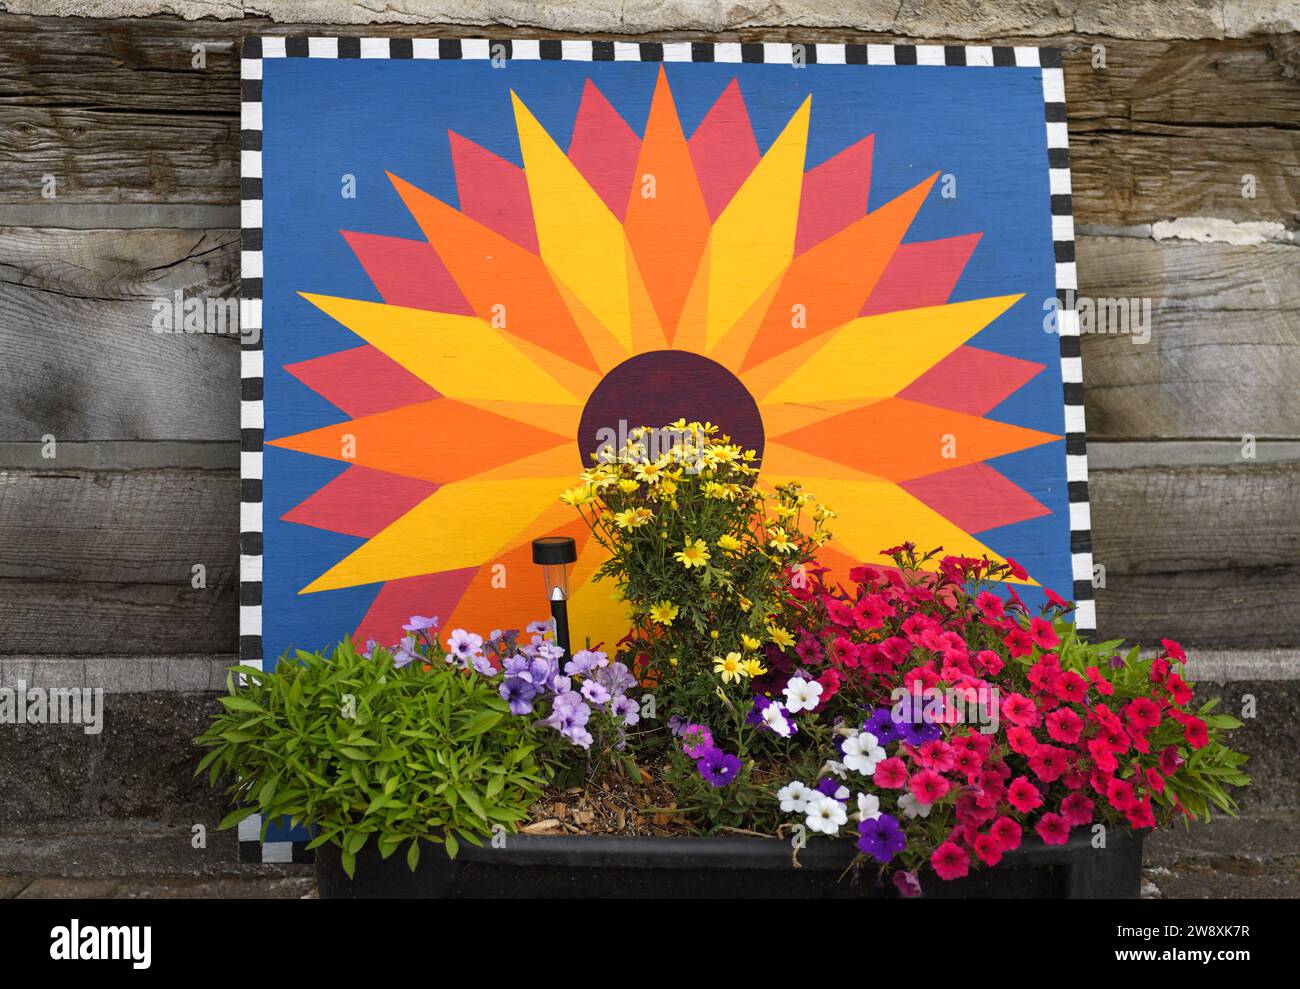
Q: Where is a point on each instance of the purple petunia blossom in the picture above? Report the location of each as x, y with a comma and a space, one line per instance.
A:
881, 837
371, 646
883, 726
519, 694
569, 715
463, 646
595, 692
755, 715
718, 768
404, 653
584, 661
419, 623
676, 725
626, 707
616, 678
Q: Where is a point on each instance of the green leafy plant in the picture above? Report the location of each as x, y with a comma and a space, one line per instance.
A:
360, 750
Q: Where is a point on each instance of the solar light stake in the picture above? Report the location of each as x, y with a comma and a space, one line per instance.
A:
554, 554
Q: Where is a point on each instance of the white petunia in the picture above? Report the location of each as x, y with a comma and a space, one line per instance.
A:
868, 807
835, 767
775, 719
794, 797
862, 753
825, 815
802, 695
913, 808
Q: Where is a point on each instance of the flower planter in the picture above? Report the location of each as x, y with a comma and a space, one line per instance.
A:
582, 867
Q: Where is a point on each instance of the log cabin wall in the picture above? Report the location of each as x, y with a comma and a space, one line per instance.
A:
119, 186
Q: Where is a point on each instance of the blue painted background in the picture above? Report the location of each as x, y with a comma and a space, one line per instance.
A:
324, 118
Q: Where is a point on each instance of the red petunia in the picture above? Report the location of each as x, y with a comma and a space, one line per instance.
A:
1020, 710
1143, 712
1170, 760
990, 606
1064, 726
1007, 832
1048, 763
1072, 687
1104, 686
1021, 794
936, 755
1120, 794
1043, 634
1177, 686
1174, 650
1155, 780
1053, 829
1056, 601
1077, 809
987, 849
1018, 642
928, 786
1102, 755
989, 661
1141, 815
950, 861
1021, 740
1194, 730
891, 774
1017, 570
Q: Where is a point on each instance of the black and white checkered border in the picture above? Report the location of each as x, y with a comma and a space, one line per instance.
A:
255, 49
777, 53
1067, 285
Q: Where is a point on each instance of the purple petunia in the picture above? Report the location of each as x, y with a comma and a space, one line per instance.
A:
584, 661
627, 708
404, 653
882, 725
882, 837
616, 678
718, 768
419, 623
519, 694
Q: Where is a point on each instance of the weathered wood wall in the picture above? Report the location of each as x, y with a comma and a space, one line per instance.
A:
97, 545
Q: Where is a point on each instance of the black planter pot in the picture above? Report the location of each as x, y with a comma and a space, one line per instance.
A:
613, 867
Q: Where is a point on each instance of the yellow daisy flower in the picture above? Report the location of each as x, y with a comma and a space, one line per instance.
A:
779, 541
750, 643
729, 667
695, 554
728, 542
780, 636
753, 667
664, 612
632, 518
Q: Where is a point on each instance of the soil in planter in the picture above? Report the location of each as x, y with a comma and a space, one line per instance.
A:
612, 806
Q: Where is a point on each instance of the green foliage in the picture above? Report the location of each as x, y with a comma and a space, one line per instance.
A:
359, 750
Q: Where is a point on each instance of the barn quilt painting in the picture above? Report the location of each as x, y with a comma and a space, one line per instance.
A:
465, 258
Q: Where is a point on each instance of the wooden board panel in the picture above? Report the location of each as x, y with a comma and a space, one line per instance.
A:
1223, 353
99, 562
1209, 555
79, 356
115, 109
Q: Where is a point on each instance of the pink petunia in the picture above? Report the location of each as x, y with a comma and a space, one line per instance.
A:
891, 774
950, 861
1064, 726
1022, 795
1007, 832
987, 849
1020, 710
1053, 829
1018, 642
928, 786
1043, 634
1077, 809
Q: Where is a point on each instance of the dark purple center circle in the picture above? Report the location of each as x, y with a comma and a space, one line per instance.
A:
663, 386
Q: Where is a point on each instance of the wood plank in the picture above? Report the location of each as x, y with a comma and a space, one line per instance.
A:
1208, 555
1223, 355
81, 361
99, 562
79, 357
113, 108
